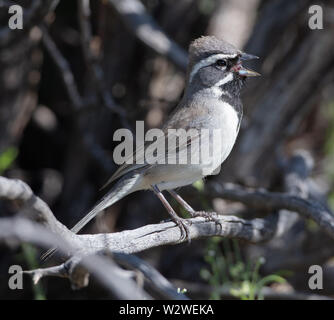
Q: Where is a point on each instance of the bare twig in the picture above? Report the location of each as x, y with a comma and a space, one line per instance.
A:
139, 239
296, 172
40, 211
76, 100
56, 271
65, 70
146, 29
91, 61
157, 281
105, 271
73, 270
285, 250
150, 236
263, 199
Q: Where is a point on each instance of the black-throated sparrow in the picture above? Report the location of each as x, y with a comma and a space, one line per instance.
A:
211, 101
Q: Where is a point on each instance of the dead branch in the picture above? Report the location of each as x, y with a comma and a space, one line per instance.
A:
150, 236
262, 199
140, 239
65, 70
147, 30
157, 281
77, 268
93, 65
38, 209
74, 270
77, 102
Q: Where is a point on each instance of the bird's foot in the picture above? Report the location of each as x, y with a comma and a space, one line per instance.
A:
183, 224
209, 216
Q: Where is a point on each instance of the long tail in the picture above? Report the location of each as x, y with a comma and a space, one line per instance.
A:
122, 188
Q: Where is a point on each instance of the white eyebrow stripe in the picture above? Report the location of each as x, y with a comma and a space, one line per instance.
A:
209, 60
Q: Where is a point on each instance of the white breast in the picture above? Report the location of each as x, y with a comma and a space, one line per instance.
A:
222, 118
229, 127
226, 122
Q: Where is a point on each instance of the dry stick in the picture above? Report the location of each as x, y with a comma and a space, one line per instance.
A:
263, 199
77, 102
92, 63
72, 269
164, 233
157, 281
65, 70
285, 250
14, 189
155, 235
105, 271
18, 190
147, 30
149, 236
296, 172
139, 239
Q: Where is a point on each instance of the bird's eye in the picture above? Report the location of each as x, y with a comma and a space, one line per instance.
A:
221, 63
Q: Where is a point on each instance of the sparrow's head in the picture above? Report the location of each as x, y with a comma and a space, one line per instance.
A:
216, 63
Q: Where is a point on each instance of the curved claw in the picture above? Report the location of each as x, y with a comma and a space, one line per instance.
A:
184, 229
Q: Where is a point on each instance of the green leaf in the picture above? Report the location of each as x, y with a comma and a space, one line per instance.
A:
269, 279
30, 255
199, 185
7, 158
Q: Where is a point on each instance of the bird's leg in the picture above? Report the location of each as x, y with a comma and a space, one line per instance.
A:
182, 202
209, 216
179, 221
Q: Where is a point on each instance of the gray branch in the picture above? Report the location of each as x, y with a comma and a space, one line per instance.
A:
262, 199
140, 23
76, 268
92, 63
64, 69
76, 99
149, 236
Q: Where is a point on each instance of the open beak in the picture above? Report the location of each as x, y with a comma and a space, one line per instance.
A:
246, 56
244, 72
241, 70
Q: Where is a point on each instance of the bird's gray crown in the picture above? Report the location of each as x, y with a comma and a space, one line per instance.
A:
206, 46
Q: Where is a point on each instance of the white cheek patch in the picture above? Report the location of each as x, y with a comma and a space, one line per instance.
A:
225, 80
209, 60
216, 89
